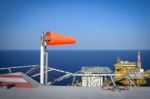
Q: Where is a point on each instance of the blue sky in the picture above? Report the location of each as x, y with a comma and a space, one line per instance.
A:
97, 24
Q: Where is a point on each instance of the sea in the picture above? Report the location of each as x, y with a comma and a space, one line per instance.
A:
71, 60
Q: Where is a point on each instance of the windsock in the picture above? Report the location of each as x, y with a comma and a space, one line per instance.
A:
53, 38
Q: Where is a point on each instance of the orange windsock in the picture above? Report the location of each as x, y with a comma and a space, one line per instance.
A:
53, 38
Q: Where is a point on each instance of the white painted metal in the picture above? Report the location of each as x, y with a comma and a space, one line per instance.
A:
17, 67
92, 81
32, 69
139, 61
42, 60
73, 80
98, 75
101, 81
58, 70
60, 78
69, 74
9, 70
112, 80
142, 70
131, 82
52, 69
38, 74
46, 67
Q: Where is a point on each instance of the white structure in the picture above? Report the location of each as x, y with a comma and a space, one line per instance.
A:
92, 80
139, 62
51, 38
43, 61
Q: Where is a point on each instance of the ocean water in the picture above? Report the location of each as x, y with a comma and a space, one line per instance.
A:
72, 60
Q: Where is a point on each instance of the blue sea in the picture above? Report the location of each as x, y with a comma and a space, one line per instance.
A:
72, 60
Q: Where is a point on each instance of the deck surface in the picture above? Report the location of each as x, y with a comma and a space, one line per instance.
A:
65, 92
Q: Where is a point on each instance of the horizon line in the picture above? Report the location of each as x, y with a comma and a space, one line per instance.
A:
77, 50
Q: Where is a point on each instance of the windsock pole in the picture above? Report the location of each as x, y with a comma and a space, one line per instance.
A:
42, 59
46, 66
51, 38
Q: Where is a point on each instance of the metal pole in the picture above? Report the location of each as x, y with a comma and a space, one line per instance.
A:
46, 67
74, 77
112, 80
101, 81
42, 59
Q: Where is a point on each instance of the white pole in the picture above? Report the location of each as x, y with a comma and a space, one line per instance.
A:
42, 60
101, 80
46, 66
139, 60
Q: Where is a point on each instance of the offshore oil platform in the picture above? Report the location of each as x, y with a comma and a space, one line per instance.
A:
127, 75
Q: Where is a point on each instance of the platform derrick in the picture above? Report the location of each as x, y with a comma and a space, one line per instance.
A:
132, 72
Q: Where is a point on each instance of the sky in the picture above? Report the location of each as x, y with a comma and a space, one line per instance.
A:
96, 24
